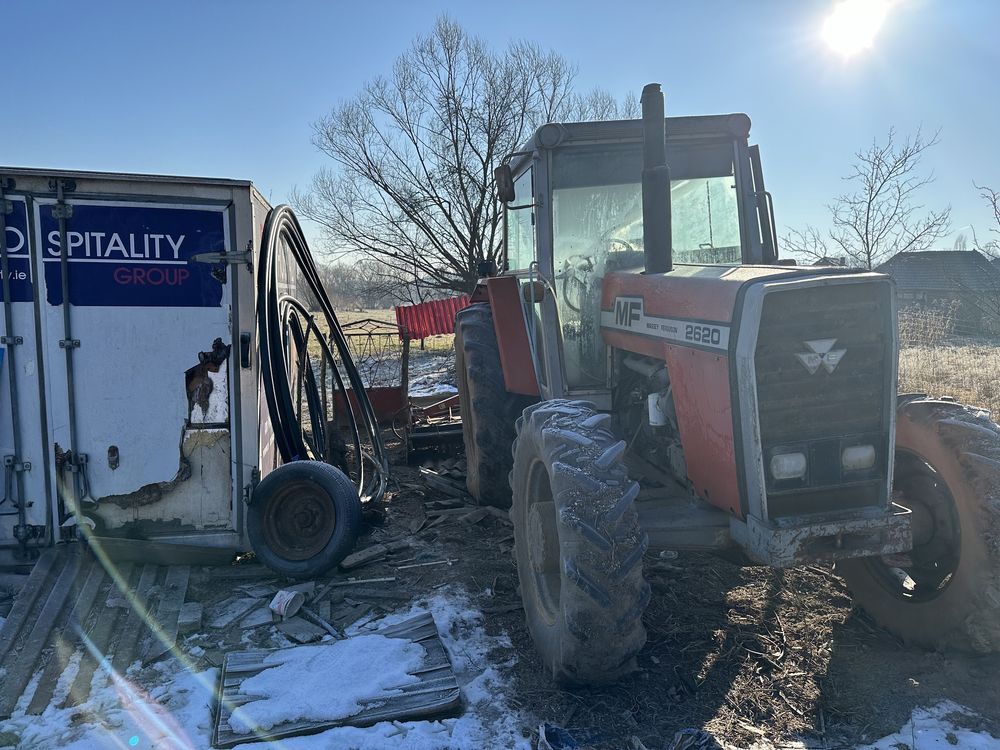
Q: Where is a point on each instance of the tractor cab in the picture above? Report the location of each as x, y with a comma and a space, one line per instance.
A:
575, 214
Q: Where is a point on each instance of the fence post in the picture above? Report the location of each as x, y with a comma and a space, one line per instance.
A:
404, 374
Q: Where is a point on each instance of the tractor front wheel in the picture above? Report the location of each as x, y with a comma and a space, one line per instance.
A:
944, 593
578, 543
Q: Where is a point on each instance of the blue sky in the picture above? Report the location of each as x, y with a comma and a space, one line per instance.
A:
230, 89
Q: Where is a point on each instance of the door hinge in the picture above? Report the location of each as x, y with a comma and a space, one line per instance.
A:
12, 340
11, 462
251, 485
62, 211
233, 258
69, 343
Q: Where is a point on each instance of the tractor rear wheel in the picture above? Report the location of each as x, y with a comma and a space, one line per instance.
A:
578, 543
944, 593
488, 410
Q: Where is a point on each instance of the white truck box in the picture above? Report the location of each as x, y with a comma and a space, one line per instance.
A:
148, 403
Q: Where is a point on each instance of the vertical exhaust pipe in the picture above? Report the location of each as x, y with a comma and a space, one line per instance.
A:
656, 236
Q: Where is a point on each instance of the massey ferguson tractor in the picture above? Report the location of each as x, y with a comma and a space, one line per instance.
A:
644, 374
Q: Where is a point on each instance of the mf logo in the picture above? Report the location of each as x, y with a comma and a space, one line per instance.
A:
628, 311
821, 352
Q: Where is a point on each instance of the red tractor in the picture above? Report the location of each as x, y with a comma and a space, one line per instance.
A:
646, 375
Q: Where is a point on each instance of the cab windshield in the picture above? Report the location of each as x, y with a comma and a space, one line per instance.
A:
597, 227
597, 203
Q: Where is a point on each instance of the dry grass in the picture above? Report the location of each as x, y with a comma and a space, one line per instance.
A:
936, 360
968, 372
433, 344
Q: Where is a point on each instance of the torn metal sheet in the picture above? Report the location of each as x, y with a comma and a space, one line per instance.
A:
436, 693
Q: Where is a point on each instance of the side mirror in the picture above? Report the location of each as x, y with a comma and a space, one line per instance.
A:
505, 183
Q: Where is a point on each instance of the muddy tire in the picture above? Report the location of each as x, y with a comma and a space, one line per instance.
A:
946, 592
304, 518
578, 543
488, 410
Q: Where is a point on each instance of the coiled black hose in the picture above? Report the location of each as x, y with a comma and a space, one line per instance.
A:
292, 307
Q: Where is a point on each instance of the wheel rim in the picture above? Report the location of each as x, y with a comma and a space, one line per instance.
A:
927, 571
543, 542
299, 521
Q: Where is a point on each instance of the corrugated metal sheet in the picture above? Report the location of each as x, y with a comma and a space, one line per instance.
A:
434, 318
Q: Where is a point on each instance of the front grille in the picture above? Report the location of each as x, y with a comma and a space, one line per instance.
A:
819, 413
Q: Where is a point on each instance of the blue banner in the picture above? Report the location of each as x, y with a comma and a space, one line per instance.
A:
18, 258
128, 255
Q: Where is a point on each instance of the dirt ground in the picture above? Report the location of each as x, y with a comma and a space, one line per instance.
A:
750, 654
747, 653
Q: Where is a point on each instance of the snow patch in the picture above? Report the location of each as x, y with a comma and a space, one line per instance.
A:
297, 686
168, 707
935, 728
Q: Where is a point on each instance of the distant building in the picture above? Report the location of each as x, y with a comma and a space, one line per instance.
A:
963, 281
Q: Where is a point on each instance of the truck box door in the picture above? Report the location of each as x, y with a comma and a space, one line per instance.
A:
151, 351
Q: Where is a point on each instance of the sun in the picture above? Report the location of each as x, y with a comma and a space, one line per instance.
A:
853, 25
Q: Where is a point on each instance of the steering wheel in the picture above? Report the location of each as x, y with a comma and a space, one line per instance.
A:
629, 247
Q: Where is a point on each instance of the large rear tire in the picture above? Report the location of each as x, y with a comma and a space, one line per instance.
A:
578, 543
946, 592
488, 410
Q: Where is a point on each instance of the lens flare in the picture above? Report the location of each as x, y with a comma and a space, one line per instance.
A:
852, 25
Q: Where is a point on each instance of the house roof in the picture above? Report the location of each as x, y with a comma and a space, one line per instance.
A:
943, 270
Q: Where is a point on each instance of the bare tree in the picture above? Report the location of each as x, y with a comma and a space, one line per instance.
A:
989, 300
991, 248
879, 215
411, 183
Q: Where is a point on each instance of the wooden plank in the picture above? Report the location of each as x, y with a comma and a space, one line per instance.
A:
364, 557
443, 484
246, 570
125, 647
104, 628
25, 601
68, 638
437, 691
20, 669
162, 553
164, 636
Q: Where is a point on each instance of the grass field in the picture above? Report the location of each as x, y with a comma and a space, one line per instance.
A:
969, 372
433, 344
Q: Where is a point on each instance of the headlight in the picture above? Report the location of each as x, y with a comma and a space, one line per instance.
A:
788, 465
857, 457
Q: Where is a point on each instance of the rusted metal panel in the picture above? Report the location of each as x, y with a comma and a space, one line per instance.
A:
388, 404
512, 336
433, 318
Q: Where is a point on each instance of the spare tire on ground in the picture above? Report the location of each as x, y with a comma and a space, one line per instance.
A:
304, 518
